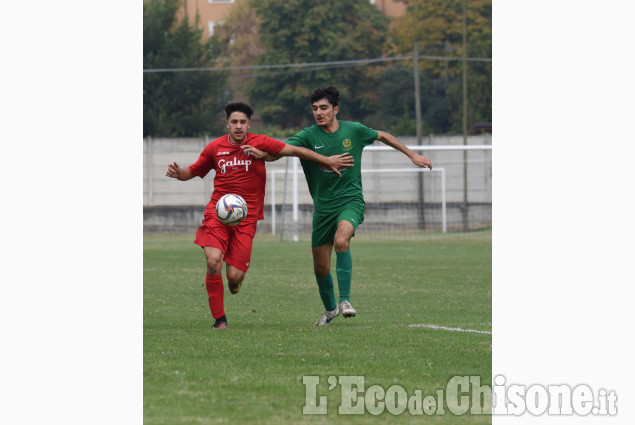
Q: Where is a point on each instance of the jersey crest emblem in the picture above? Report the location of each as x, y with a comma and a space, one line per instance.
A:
347, 144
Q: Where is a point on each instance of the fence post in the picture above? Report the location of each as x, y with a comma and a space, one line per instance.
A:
207, 181
272, 180
444, 211
295, 199
150, 176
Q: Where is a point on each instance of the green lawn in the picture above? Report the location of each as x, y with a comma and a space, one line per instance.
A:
252, 373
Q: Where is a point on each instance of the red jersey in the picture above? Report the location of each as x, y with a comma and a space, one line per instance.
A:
237, 172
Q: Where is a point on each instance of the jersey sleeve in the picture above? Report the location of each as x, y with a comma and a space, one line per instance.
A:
300, 139
367, 135
267, 144
204, 163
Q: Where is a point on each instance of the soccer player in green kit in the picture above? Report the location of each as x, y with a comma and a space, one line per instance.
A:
338, 202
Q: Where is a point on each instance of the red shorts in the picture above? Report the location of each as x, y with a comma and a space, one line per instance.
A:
234, 241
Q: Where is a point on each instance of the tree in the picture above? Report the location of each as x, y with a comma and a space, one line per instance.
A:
396, 111
240, 46
437, 26
238, 36
305, 31
178, 104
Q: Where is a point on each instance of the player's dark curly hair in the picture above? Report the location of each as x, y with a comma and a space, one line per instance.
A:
238, 107
329, 93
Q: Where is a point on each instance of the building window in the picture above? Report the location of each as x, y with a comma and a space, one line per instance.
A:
220, 1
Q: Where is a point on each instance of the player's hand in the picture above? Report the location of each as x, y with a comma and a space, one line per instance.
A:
421, 161
256, 153
173, 170
337, 162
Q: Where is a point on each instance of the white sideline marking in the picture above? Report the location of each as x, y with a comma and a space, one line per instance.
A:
445, 328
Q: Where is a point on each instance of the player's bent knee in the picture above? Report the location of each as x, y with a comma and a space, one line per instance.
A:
214, 266
341, 245
342, 239
321, 269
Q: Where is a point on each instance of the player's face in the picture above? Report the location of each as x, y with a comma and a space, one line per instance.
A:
238, 124
324, 113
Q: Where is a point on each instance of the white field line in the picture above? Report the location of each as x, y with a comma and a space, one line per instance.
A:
445, 328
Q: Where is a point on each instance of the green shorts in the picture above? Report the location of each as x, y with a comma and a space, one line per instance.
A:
325, 224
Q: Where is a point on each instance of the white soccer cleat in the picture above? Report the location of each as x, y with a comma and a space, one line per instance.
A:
347, 309
327, 316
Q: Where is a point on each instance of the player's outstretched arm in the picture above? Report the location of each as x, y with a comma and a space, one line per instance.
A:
392, 141
179, 173
258, 154
335, 162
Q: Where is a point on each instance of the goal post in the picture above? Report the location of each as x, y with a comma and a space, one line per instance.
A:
401, 200
295, 195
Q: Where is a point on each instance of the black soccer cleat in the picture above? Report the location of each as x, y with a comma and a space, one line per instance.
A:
221, 323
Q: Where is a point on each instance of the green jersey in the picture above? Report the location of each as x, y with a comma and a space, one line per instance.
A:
330, 192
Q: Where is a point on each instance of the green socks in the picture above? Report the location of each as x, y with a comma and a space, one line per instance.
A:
344, 271
325, 286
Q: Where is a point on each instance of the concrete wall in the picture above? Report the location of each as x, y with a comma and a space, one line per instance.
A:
378, 218
174, 206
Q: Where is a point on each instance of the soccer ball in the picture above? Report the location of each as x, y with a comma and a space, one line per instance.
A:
231, 209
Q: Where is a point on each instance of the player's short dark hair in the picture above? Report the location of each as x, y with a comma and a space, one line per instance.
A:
238, 107
329, 93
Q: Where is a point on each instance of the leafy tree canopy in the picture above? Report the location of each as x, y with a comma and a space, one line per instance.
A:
397, 108
437, 26
305, 31
178, 104
238, 36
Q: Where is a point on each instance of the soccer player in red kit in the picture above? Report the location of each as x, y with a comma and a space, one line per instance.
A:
239, 173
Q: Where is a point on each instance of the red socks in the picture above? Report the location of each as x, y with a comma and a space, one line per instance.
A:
215, 291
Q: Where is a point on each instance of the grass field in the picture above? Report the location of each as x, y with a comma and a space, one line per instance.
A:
252, 373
